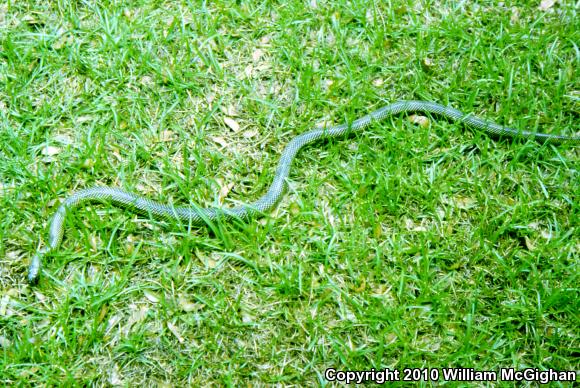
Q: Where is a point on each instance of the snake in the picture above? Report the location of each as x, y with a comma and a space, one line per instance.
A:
198, 217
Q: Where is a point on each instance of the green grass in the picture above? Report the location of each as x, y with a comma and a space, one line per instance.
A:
401, 247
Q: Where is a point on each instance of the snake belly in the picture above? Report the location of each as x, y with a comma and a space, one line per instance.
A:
195, 216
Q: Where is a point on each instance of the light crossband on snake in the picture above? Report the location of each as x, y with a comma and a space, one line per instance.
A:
194, 216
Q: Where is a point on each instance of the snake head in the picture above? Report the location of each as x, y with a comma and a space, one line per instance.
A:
34, 269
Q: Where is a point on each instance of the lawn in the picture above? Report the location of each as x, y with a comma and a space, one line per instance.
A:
406, 246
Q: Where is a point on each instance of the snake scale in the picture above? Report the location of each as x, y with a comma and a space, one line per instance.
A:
201, 216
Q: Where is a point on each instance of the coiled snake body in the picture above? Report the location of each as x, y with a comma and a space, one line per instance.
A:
201, 216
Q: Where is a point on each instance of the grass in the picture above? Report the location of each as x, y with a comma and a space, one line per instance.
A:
401, 247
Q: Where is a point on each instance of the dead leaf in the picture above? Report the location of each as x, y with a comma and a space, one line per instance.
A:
11, 255
187, 305
233, 124
369, 16
380, 290
361, 287
294, 208
13, 292
248, 71
63, 139
94, 242
167, 136
115, 152
115, 378
50, 151
4, 305
378, 82
151, 296
41, 297
515, 17
229, 110
61, 42
112, 322
138, 315
211, 263
5, 342
529, 244
377, 231
328, 83
546, 4
421, 121
220, 140
5, 188
324, 123
88, 163
187, 19
224, 191
146, 80
410, 225
256, 55
250, 133
463, 202
262, 67
32, 20
247, 317
103, 313
83, 119
173, 329
427, 64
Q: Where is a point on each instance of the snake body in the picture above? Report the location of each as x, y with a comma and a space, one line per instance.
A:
201, 216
